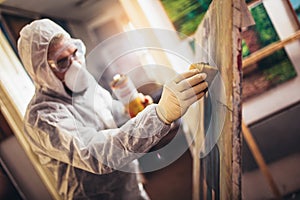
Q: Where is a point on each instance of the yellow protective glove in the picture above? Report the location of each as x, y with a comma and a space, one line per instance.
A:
179, 93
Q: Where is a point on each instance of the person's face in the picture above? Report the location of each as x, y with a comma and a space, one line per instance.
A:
61, 57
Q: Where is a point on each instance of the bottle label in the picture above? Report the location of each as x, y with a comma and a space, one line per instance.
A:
125, 91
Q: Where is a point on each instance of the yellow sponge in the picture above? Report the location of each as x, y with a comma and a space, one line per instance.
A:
205, 68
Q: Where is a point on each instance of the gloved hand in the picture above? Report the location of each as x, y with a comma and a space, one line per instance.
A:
179, 93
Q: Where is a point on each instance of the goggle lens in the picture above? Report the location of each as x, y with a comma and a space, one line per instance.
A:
64, 63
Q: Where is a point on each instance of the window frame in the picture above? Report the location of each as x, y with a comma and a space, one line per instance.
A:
287, 93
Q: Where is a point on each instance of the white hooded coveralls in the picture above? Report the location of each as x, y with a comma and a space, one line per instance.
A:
77, 138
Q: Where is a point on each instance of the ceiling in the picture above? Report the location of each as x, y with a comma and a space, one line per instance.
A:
79, 10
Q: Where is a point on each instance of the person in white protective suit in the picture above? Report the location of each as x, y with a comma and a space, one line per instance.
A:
78, 130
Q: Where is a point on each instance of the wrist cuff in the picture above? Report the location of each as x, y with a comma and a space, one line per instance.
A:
161, 116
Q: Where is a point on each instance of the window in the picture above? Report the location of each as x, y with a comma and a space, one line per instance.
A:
296, 6
270, 71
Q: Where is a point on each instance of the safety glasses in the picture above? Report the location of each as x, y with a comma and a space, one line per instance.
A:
62, 64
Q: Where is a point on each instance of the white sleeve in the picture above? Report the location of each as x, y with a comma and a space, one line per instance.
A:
58, 135
119, 113
117, 108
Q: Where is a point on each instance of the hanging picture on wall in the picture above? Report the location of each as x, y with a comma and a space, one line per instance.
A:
186, 15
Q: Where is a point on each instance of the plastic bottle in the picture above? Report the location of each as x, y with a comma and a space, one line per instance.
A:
126, 92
